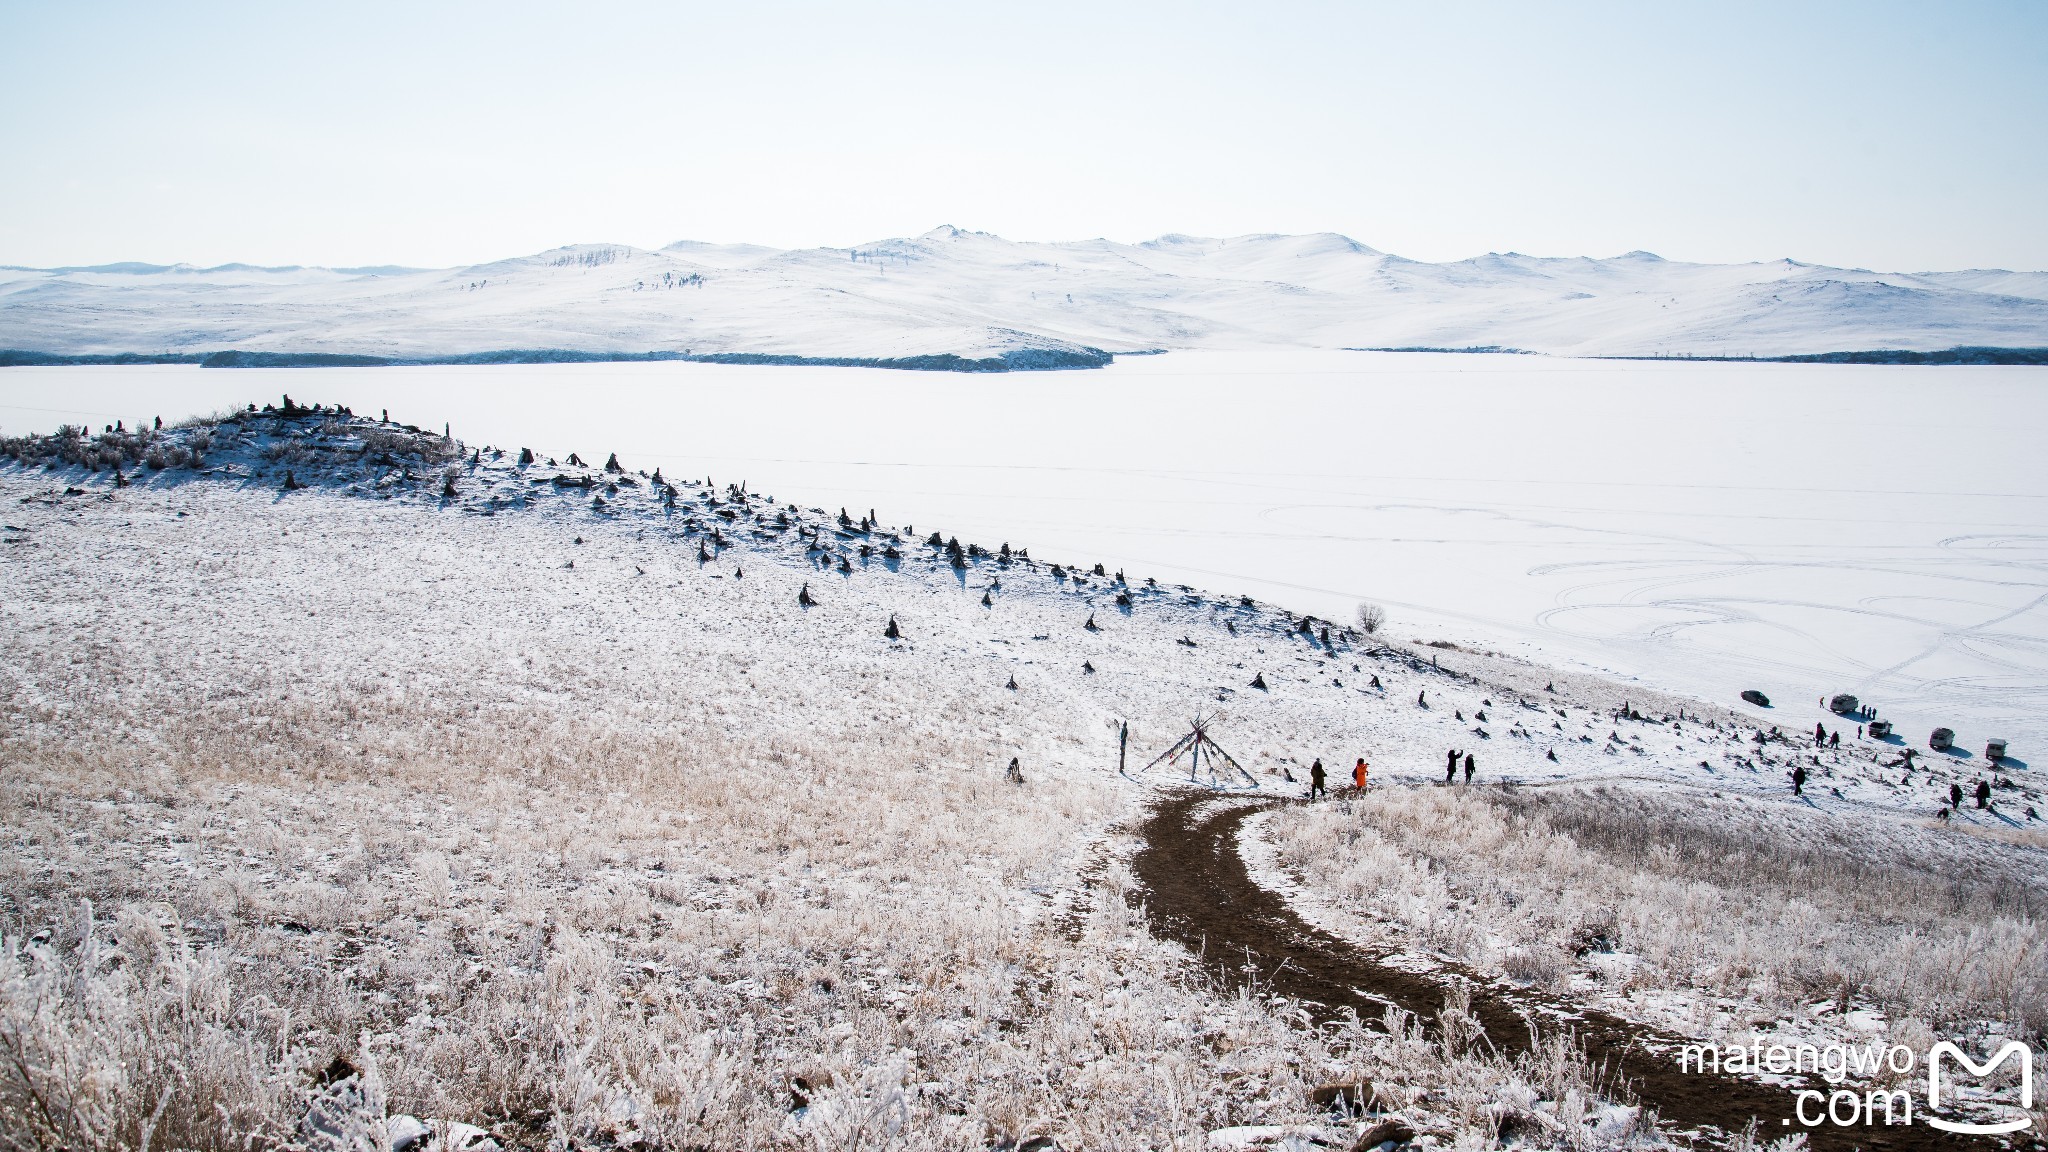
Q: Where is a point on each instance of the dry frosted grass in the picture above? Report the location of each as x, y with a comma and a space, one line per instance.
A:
1763, 904
589, 861
624, 939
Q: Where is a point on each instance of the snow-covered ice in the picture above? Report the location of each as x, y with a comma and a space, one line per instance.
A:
1706, 527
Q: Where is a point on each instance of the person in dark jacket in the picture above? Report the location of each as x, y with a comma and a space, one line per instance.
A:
1955, 796
1451, 768
1983, 793
1799, 780
1315, 780
1470, 767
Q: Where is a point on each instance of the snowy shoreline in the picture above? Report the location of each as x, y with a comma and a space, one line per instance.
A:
1701, 528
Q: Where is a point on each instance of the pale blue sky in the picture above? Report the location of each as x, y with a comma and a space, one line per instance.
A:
1899, 137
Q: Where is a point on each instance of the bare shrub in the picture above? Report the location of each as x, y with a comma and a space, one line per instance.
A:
208, 420
296, 453
119, 1037
427, 448
1541, 964
1370, 618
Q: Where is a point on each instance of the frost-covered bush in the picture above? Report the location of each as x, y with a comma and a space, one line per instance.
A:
1718, 896
117, 1034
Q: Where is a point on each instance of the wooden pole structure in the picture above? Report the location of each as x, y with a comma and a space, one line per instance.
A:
1194, 744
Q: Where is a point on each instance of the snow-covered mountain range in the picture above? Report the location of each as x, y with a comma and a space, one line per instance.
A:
975, 295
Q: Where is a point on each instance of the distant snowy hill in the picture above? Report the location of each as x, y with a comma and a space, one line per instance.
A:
975, 295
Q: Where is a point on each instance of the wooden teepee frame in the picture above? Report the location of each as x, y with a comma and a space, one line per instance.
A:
1193, 745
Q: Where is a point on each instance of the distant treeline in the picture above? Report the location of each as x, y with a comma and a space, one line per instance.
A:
1950, 356
1967, 355
1487, 349
15, 358
238, 359
1020, 360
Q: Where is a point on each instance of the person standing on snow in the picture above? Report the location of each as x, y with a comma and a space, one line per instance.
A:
1470, 767
1955, 796
1315, 780
1820, 735
1983, 793
1358, 774
1451, 768
1799, 780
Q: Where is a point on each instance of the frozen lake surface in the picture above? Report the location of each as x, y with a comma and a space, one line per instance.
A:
1707, 527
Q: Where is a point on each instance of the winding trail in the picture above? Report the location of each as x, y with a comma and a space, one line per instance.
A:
1198, 893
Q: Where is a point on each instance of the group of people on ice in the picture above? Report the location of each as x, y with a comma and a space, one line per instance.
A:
1822, 738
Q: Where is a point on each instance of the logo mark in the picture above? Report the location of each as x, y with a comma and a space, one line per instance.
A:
1946, 1048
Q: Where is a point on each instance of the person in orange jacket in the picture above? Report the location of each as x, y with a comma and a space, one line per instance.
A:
1358, 774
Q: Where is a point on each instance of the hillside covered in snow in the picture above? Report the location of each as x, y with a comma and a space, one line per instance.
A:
367, 788
1093, 647
978, 297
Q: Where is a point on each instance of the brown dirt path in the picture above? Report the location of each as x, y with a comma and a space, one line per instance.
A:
1198, 893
